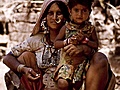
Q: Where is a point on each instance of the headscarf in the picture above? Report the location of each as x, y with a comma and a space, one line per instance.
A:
45, 4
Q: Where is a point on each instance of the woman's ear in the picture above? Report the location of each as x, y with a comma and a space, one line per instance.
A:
69, 11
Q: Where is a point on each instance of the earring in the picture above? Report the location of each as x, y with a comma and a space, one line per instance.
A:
71, 17
44, 26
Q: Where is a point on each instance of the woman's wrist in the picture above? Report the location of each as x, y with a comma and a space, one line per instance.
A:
20, 67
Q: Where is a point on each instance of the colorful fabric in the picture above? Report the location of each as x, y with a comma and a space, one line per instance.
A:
86, 30
46, 55
68, 72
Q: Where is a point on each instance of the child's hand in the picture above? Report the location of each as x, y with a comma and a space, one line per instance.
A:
80, 37
73, 40
76, 39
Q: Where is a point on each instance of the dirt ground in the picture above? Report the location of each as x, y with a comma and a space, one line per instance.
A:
3, 70
115, 66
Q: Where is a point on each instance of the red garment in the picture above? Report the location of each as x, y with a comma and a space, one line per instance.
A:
36, 85
29, 60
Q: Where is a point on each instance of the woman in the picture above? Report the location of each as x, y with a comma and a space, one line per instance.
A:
36, 55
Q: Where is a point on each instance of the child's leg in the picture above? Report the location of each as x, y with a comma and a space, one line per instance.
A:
62, 84
77, 85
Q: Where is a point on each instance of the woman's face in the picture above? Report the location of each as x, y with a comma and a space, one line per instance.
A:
54, 14
79, 13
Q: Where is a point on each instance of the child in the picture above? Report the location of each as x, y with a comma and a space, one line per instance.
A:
78, 32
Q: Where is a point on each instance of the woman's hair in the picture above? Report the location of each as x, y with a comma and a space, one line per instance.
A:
87, 3
63, 7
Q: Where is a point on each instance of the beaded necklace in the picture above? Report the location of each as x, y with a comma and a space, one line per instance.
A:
50, 56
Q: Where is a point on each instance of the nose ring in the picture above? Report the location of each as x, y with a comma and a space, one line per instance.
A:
58, 20
30, 70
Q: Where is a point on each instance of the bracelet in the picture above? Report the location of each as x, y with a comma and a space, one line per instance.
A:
19, 68
86, 40
68, 41
65, 42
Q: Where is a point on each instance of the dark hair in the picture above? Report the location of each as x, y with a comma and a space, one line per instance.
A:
63, 7
87, 3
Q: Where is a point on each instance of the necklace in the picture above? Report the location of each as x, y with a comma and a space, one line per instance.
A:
50, 56
75, 26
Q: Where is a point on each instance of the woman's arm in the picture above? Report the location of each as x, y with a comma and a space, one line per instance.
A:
59, 41
11, 61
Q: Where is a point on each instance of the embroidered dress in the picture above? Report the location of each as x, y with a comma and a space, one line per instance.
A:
47, 57
66, 68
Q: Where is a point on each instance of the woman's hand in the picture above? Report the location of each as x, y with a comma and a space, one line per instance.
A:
30, 73
73, 50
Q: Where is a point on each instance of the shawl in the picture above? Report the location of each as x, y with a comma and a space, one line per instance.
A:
46, 3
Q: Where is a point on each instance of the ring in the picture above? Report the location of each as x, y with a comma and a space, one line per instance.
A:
30, 70
58, 20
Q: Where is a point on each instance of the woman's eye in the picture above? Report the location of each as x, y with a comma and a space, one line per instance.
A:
50, 13
76, 10
84, 10
59, 13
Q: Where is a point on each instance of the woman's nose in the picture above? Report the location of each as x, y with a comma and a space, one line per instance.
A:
54, 16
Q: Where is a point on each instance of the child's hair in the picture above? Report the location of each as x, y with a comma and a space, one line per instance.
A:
87, 3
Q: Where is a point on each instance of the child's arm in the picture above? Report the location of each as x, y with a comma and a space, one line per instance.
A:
93, 42
59, 41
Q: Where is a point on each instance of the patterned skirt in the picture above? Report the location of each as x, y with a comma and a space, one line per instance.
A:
68, 72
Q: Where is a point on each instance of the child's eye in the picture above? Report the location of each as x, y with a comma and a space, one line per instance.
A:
84, 10
76, 10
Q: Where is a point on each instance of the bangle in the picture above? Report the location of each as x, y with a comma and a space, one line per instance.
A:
19, 68
68, 41
65, 42
86, 40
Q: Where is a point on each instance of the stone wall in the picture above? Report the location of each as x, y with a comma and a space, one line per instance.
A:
108, 33
20, 16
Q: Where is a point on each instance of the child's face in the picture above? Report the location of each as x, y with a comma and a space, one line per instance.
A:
79, 13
